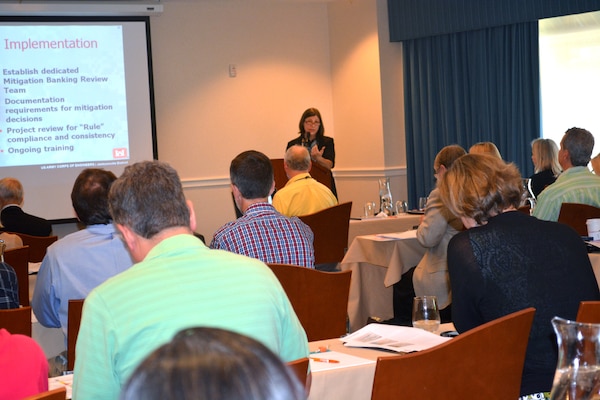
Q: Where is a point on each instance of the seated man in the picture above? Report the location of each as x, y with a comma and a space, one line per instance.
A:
262, 232
302, 194
13, 218
177, 283
9, 288
576, 184
82, 260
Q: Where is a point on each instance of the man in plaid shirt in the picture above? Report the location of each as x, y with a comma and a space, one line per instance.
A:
262, 232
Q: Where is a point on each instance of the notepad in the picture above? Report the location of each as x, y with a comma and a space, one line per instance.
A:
401, 339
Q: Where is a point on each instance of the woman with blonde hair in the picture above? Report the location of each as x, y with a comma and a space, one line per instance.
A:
507, 261
485, 148
544, 154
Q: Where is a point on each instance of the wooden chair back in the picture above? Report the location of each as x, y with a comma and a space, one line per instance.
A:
589, 312
319, 173
16, 320
330, 227
320, 299
73, 322
300, 368
18, 258
54, 394
37, 245
485, 362
575, 215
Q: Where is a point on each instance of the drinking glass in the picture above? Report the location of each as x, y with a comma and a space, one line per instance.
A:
422, 203
370, 209
426, 314
401, 207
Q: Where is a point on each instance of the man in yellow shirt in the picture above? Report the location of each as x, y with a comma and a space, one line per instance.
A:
302, 194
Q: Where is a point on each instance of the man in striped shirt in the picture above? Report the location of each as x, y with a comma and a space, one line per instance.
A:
576, 184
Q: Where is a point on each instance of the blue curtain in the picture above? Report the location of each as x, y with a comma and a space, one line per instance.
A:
469, 87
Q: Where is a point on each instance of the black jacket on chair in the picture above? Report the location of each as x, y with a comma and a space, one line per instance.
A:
14, 219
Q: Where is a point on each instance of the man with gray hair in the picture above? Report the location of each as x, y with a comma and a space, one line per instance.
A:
302, 194
176, 284
12, 216
576, 184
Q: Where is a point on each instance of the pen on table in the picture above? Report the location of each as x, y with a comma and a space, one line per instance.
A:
325, 360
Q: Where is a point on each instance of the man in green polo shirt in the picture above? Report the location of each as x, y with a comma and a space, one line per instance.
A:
176, 284
576, 184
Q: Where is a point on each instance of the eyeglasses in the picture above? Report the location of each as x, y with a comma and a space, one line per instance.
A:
312, 122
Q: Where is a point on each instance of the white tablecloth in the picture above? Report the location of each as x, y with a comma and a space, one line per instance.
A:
348, 382
376, 264
371, 226
51, 340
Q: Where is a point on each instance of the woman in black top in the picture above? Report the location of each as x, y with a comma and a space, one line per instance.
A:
507, 261
544, 154
312, 136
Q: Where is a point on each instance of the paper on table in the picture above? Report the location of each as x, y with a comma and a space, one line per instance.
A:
393, 337
65, 381
412, 234
345, 360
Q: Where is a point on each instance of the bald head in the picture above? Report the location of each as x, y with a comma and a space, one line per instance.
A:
296, 161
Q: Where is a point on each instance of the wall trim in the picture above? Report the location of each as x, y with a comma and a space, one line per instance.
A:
341, 174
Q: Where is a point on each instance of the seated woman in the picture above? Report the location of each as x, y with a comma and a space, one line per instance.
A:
485, 148
507, 261
312, 136
23, 365
544, 154
212, 364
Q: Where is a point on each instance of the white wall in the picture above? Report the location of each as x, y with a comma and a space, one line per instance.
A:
289, 56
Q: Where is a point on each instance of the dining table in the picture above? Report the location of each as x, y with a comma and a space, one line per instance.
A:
377, 262
352, 377
383, 224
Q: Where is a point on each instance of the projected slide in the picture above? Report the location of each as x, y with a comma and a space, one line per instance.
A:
64, 102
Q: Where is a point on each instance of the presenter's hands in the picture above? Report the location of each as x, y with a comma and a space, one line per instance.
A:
315, 153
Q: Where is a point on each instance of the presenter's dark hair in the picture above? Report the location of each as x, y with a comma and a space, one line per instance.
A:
212, 364
252, 173
148, 198
311, 112
90, 196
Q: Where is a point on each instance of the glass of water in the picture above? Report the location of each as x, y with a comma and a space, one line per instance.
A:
426, 314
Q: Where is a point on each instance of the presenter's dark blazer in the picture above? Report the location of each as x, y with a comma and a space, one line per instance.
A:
14, 219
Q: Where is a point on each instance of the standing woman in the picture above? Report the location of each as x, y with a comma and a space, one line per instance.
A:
312, 136
544, 154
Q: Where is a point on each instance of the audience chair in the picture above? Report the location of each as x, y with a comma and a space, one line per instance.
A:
589, 312
300, 369
16, 320
37, 245
73, 322
330, 227
320, 299
55, 394
485, 362
575, 215
18, 259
